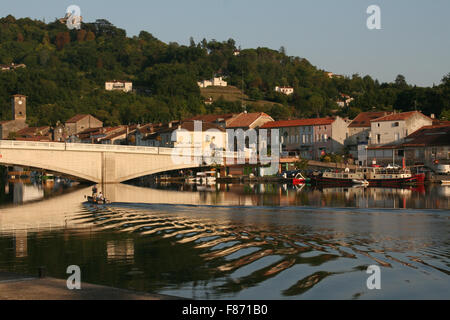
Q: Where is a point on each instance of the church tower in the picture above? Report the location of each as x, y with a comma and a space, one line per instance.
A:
19, 107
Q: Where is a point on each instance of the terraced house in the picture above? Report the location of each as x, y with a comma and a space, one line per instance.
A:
395, 127
311, 138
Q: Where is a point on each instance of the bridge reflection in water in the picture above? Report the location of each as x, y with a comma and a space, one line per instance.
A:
231, 251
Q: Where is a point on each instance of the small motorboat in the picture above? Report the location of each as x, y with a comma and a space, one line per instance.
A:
93, 200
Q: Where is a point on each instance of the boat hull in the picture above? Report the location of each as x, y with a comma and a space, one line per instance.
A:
298, 181
415, 179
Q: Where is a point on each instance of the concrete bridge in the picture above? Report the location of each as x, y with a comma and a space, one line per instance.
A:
92, 162
101, 163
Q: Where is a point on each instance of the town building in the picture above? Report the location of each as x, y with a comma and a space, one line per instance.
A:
81, 122
101, 135
184, 135
331, 75
9, 128
120, 136
344, 100
43, 133
60, 132
115, 85
359, 130
430, 145
149, 135
246, 121
214, 82
310, 138
12, 66
284, 90
395, 127
141, 132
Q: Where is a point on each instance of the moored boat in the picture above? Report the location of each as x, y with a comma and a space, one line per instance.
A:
372, 176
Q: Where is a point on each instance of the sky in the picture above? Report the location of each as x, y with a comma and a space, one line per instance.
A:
331, 34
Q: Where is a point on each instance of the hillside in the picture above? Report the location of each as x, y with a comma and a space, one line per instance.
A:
66, 70
233, 94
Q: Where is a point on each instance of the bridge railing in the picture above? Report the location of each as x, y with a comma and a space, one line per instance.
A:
34, 145
14, 144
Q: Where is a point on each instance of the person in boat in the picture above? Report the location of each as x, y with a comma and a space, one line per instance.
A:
100, 197
94, 192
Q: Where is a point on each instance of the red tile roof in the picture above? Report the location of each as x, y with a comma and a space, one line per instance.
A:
189, 126
32, 130
212, 117
398, 116
245, 120
77, 118
298, 123
37, 138
363, 119
114, 135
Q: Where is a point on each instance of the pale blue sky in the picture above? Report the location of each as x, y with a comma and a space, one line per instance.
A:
331, 34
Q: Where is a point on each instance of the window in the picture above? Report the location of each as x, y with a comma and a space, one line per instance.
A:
396, 124
396, 136
378, 138
378, 125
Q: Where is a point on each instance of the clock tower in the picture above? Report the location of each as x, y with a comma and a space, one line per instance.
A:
19, 107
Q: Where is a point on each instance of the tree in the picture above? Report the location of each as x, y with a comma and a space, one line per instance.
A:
316, 103
400, 82
81, 35
301, 164
445, 115
62, 39
90, 36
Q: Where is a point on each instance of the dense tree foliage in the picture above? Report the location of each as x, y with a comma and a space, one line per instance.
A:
66, 71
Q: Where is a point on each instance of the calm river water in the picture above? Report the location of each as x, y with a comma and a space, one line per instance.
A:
234, 241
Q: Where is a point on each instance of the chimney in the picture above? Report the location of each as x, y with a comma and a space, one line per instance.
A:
432, 116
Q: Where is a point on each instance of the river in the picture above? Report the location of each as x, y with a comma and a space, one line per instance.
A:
234, 241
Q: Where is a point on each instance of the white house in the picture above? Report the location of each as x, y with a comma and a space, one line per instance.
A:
124, 86
215, 82
284, 90
344, 100
395, 127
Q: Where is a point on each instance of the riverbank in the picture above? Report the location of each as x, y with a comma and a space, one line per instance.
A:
22, 287
441, 179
